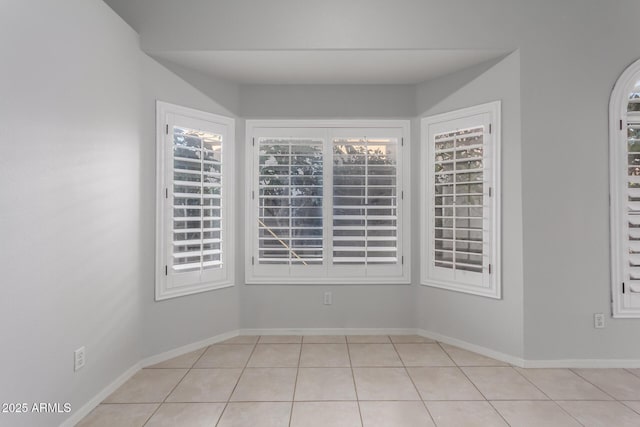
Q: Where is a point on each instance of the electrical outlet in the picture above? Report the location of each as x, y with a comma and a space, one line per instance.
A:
598, 320
328, 298
78, 359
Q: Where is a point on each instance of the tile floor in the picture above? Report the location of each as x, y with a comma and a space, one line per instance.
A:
365, 381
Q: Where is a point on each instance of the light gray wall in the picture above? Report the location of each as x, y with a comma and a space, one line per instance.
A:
338, 24
77, 167
178, 321
332, 101
71, 202
494, 324
569, 67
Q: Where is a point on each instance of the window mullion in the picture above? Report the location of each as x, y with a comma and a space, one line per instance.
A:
327, 191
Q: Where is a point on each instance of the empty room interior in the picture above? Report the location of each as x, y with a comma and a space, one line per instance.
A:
319, 213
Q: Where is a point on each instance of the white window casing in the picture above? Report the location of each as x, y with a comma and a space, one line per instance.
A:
624, 170
194, 251
460, 213
327, 202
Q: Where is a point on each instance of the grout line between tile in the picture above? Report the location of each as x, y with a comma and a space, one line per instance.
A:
413, 382
166, 397
237, 382
353, 377
593, 384
295, 385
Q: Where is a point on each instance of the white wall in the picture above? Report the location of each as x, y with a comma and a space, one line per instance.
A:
70, 197
179, 321
494, 324
568, 71
326, 101
77, 184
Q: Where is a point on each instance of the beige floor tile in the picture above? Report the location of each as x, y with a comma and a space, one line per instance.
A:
443, 383
124, 415
410, 339
147, 386
602, 414
562, 384
280, 339
206, 385
325, 414
635, 372
324, 339
256, 414
241, 339
633, 404
534, 414
374, 355
275, 356
183, 361
467, 358
225, 356
315, 384
423, 355
500, 383
324, 356
619, 383
467, 414
368, 339
265, 385
384, 384
395, 414
186, 415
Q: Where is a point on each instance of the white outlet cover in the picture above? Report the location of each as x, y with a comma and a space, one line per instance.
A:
78, 358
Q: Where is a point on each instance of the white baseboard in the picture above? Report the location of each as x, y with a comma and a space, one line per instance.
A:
583, 363
503, 357
103, 394
162, 357
329, 331
532, 363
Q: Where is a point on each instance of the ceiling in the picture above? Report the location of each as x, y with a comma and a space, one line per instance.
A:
329, 66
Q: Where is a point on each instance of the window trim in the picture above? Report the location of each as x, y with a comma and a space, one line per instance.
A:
495, 283
618, 121
404, 239
162, 290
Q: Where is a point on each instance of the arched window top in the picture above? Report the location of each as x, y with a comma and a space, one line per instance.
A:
634, 98
625, 98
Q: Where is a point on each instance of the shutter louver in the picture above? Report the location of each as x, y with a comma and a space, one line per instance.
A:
196, 196
458, 205
632, 201
290, 201
365, 211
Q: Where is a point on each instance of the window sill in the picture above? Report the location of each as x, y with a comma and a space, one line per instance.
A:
314, 281
467, 289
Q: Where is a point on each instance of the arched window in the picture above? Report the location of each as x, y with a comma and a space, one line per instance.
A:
624, 169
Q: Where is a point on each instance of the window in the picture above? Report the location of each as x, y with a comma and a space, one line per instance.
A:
624, 169
326, 202
194, 155
461, 210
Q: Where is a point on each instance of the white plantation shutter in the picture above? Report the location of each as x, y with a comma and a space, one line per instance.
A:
631, 289
460, 232
461, 209
365, 201
290, 200
196, 195
625, 192
326, 203
192, 222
